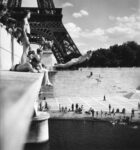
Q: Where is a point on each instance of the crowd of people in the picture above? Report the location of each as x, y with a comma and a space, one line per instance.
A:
120, 116
10, 24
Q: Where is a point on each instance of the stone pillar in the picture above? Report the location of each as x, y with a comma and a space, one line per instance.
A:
39, 129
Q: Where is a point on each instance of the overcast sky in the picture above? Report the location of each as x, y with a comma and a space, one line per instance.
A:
99, 23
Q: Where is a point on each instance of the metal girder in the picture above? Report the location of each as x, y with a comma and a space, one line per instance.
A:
14, 3
57, 32
45, 4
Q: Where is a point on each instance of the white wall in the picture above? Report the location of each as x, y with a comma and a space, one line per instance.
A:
10, 50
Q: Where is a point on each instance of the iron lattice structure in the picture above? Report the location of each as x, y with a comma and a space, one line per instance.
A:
46, 21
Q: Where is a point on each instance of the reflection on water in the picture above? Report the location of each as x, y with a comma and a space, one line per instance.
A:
88, 135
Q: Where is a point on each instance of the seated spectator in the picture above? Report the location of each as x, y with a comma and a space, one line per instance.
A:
18, 35
11, 27
80, 110
36, 63
88, 112
26, 67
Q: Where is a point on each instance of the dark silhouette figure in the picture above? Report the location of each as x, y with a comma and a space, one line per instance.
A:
113, 111
104, 98
123, 111
96, 113
76, 106
92, 112
132, 113
117, 110
91, 74
109, 108
72, 107
138, 106
101, 113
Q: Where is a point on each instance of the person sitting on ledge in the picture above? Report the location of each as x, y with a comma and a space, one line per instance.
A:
26, 67
75, 61
36, 63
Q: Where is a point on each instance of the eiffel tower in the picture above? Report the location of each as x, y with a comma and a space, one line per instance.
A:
46, 21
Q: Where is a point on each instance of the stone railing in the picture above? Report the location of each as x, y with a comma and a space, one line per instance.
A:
10, 50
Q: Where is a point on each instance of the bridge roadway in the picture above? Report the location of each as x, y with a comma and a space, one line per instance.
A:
18, 92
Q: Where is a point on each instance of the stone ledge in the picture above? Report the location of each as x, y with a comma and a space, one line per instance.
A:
18, 91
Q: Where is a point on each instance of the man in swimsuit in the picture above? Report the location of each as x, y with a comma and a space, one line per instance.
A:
26, 34
75, 61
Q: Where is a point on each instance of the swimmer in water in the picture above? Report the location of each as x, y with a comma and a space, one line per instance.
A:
91, 74
98, 80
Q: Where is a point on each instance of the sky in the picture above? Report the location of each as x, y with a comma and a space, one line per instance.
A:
95, 24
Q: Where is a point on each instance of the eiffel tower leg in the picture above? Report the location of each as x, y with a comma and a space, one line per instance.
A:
64, 48
66, 44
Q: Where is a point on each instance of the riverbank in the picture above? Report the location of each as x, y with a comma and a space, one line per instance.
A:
117, 119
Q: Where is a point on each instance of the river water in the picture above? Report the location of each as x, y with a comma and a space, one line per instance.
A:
109, 81
89, 135
121, 86
120, 83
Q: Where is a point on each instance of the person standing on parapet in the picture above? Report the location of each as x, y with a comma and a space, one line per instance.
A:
26, 36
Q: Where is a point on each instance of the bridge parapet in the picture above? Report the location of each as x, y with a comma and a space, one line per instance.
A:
18, 92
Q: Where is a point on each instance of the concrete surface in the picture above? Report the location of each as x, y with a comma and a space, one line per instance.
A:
18, 92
